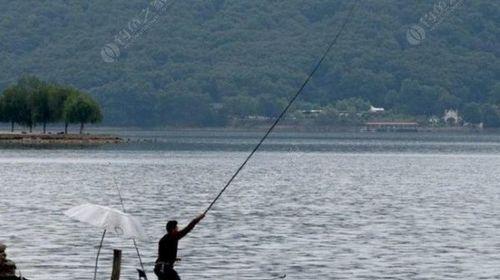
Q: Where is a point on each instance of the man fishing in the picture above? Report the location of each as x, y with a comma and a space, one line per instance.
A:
167, 249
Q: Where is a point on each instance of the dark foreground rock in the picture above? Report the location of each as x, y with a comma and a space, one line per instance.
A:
7, 267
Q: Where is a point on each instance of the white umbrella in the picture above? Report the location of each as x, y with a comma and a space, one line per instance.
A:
108, 219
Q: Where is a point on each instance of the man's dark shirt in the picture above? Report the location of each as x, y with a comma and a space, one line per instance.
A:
167, 249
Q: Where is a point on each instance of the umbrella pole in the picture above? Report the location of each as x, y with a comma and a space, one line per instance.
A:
98, 252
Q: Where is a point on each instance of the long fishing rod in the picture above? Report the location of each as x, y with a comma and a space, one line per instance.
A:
290, 103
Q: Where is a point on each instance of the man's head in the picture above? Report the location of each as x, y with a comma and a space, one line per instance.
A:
171, 226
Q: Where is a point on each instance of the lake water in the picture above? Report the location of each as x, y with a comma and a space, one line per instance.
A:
312, 206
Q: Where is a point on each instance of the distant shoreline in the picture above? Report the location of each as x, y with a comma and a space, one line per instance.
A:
111, 134
290, 128
65, 139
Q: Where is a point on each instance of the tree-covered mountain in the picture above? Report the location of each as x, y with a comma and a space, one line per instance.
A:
201, 62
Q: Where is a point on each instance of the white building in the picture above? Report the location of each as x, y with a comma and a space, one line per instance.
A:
451, 117
375, 110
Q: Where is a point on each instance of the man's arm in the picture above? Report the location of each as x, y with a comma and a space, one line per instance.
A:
189, 227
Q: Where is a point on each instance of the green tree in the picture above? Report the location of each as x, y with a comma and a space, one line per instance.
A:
80, 108
32, 101
40, 107
330, 116
47, 103
270, 106
240, 106
33, 91
16, 107
490, 116
494, 94
57, 96
420, 100
185, 109
2, 110
352, 105
472, 113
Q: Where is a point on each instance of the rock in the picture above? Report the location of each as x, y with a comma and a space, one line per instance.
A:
7, 267
3, 255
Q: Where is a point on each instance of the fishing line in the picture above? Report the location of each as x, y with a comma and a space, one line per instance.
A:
141, 272
290, 103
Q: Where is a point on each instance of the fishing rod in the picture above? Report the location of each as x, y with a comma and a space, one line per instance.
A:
142, 272
290, 103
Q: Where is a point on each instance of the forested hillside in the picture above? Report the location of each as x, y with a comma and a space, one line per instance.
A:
203, 62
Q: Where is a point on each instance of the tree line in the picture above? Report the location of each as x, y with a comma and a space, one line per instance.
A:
213, 54
31, 102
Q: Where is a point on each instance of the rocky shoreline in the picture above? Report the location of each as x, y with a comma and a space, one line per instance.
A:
65, 139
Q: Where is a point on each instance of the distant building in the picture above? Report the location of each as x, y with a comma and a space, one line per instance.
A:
434, 120
451, 117
375, 110
392, 126
258, 118
311, 113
